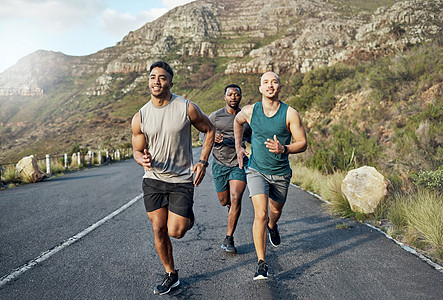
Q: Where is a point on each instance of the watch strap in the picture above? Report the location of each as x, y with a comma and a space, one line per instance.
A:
204, 162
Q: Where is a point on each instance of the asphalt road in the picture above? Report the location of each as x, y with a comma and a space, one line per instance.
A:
115, 257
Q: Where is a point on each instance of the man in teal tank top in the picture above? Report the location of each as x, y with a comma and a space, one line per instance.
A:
273, 124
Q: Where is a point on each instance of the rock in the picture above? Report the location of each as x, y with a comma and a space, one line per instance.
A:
28, 170
364, 188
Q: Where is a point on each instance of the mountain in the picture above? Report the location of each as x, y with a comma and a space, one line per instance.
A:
50, 102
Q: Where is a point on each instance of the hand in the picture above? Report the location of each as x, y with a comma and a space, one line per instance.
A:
146, 160
274, 146
199, 170
218, 138
240, 154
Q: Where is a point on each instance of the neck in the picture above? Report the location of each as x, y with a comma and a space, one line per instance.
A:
270, 107
270, 101
161, 101
231, 110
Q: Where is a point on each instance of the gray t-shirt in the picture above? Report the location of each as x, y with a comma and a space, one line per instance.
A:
167, 130
224, 153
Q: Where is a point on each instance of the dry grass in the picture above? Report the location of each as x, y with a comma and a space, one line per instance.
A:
421, 214
416, 217
9, 174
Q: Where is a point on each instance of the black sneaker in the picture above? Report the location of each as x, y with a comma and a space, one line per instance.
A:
262, 271
274, 236
170, 280
228, 245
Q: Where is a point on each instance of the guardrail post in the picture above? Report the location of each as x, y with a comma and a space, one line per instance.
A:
79, 159
90, 157
1, 169
48, 164
66, 160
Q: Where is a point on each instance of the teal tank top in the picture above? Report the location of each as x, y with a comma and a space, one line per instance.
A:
264, 128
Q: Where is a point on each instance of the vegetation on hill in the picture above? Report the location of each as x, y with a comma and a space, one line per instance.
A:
397, 127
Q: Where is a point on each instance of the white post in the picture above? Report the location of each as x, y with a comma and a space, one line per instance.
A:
66, 160
99, 157
48, 164
79, 159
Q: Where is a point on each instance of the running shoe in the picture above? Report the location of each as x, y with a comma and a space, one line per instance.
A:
228, 245
274, 236
261, 271
170, 280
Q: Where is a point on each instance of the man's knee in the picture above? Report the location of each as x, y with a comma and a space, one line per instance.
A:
159, 230
261, 216
177, 232
223, 197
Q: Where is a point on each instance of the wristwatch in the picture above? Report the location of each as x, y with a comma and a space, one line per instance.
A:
204, 162
285, 151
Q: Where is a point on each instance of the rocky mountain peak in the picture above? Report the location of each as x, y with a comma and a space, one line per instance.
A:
255, 36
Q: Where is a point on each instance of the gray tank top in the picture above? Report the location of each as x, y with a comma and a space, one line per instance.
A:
167, 130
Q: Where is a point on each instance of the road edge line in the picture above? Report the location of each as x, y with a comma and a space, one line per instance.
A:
46, 254
436, 266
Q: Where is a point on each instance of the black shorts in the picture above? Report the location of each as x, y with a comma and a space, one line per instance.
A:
178, 197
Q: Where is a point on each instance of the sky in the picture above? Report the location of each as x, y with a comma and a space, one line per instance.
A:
73, 27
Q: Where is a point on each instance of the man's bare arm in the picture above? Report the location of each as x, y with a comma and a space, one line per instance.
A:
241, 118
298, 133
140, 153
201, 121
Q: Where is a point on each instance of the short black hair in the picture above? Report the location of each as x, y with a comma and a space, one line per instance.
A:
163, 65
232, 86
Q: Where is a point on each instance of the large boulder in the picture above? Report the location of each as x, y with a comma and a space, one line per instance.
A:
28, 169
364, 188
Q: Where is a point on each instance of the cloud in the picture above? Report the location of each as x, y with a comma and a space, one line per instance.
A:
51, 15
119, 24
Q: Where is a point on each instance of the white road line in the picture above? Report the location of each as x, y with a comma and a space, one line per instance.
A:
403, 246
45, 255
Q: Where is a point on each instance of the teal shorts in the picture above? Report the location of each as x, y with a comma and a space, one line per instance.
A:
223, 174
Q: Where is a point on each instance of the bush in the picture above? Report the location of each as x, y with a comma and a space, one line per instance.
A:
343, 151
319, 87
432, 180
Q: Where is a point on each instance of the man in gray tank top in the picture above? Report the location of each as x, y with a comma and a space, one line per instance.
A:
229, 179
273, 124
162, 145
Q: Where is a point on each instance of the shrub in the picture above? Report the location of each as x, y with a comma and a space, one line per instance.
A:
432, 180
343, 151
319, 86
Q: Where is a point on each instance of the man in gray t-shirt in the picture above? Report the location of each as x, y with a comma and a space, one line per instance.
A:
229, 179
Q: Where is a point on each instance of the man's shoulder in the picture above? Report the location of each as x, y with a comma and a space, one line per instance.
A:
249, 108
178, 98
219, 112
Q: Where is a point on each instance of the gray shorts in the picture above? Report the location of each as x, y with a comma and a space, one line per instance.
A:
276, 186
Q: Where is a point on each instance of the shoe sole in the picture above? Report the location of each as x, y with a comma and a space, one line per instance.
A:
270, 240
229, 251
172, 286
260, 277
